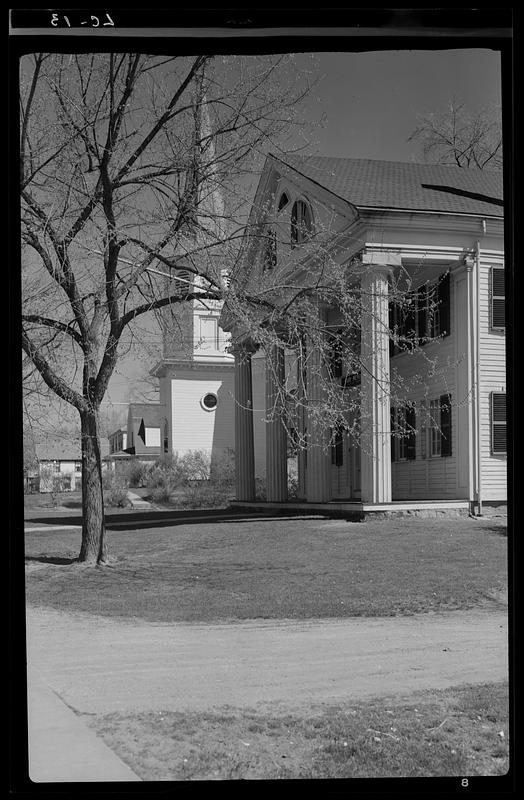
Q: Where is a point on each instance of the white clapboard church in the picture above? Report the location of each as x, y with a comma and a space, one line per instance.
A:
196, 372
443, 227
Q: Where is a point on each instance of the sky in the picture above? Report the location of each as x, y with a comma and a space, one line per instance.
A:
370, 102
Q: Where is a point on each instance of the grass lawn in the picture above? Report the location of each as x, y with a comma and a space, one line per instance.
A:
275, 568
40, 500
458, 732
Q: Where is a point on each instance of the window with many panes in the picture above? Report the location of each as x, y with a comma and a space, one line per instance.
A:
403, 433
434, 428
433, 309
337, 446
420, 316
439, 426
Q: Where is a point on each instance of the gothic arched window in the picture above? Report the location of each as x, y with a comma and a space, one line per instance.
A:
284, 200
301, 222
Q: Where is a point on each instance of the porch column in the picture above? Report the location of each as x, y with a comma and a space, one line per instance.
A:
301, 424
318, 488
375, 387
276, 436
244, 444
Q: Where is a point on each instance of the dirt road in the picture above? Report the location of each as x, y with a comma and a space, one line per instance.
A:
102, 665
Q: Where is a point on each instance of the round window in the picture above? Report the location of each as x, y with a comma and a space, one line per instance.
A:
209, 401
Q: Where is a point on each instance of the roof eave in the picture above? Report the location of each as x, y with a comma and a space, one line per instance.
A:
445, 212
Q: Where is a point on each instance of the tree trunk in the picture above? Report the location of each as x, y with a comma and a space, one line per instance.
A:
93, 549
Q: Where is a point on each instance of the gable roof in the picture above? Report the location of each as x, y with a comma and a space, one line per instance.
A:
152, 414
366, 183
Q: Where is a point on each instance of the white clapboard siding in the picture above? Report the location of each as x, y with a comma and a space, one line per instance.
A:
193, 427
492, 379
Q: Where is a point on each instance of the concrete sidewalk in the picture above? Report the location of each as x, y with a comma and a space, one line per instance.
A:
138, 502
61, 748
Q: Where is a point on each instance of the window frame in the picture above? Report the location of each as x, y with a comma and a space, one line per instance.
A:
403, 433
434, 433
203, 404
300, 233
337, 446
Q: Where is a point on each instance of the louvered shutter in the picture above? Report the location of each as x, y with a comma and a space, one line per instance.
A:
423, 430
393, 437
335, 355
498, 299
422, 314
339, 447
445, 425
444, 304
392, 321
498, 423
409, 322
411, 422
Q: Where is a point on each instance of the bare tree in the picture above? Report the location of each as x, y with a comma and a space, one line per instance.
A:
461, 138
120, 157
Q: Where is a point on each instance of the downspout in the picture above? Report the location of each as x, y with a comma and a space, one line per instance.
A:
477, 376
471, 395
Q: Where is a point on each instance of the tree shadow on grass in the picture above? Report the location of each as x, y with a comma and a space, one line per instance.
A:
162, 519
52, 560
500, 530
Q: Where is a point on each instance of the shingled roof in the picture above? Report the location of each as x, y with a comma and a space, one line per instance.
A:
153, 414
413, 187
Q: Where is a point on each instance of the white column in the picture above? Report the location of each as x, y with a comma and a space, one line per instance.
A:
375, 388
301, 424
244, 445
276, 437
318, 489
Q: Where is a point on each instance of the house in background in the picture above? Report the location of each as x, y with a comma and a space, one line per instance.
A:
441, 229
59, 465
117, 441
145, 434
117, 458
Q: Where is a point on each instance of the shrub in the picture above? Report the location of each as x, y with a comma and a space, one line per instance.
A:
292, 487
223, 468
292, 479
53, 483
167, 471
260, 489
195, 465
116, 494
162, 493
108, 479
206, 495
137, 473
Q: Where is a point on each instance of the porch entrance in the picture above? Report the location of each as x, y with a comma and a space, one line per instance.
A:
345, 468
